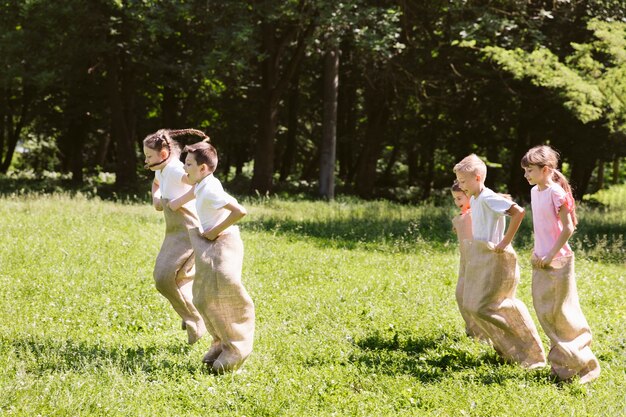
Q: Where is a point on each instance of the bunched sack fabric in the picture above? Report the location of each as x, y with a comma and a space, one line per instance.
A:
556, 302
489, 298
219, 295
174, 269
471, 327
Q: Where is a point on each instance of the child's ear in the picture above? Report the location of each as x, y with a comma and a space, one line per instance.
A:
204, 168
163, 153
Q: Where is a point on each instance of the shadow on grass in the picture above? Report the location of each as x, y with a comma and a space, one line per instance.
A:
434, 227
43, 356
137, 193
430, 359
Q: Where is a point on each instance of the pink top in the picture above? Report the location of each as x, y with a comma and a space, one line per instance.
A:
546, 222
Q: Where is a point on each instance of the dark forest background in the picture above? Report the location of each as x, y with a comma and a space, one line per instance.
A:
371, 98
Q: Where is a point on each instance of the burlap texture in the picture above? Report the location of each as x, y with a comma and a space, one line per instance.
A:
174, 269
471, 327
556, 302
219, 295
489, 298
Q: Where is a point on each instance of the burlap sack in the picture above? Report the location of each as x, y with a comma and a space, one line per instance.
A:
471, 327
555, 298
219, 295
174, 269
489, 298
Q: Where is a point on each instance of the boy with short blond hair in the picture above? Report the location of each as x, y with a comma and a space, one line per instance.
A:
492, 273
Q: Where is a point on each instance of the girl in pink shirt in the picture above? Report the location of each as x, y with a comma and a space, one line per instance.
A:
555, 297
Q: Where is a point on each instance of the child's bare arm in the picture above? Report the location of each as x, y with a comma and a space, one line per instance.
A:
156, 201
182, 200
237, 212
517, 215
566, 233
185, 180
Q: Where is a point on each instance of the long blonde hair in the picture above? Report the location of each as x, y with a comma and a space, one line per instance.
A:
545, 156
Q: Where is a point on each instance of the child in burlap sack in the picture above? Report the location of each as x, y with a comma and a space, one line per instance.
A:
555, 296
174, 267
218, 293
462, 225
492, 273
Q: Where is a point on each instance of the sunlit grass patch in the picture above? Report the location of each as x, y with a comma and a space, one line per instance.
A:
355, 307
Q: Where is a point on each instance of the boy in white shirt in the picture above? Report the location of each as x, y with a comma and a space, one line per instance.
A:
492, 273
218, 293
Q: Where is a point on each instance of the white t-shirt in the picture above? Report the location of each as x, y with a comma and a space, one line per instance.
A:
210, 200
170, 184
488, 211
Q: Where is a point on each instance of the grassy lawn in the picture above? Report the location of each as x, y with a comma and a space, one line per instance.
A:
355, 316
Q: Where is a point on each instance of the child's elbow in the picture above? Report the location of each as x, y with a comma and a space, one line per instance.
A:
517, 211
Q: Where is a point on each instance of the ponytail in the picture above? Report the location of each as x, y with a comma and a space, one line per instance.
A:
191, 132
559, 178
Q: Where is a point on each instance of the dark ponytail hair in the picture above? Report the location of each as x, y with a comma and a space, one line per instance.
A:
164, 139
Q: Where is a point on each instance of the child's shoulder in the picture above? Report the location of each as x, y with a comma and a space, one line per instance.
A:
556, 188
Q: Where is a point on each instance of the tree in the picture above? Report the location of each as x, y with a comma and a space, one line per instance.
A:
329, 136
591, 90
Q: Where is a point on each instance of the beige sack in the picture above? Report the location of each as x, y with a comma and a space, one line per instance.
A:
558, 309
471, 327
219, 295
489, 298
174, 269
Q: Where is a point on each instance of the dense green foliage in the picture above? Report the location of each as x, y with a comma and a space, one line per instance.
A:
420, 85
355, 316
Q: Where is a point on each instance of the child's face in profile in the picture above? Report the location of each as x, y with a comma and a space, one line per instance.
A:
154, 159
536, 175
461, 200
469, 182
194, 171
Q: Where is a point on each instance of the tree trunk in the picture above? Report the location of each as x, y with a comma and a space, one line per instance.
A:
377, 112
126, 162
428, 174
262, 180
346, 118
14, 130
518, 186
329, 135
4, 115
275, 78
412, 158
268, 113
103, 149
616, 169
583, 158
391, 162
289, 153
600, 174
76, 133
581, 174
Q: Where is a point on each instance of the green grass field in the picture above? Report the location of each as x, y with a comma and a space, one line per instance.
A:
355, 316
